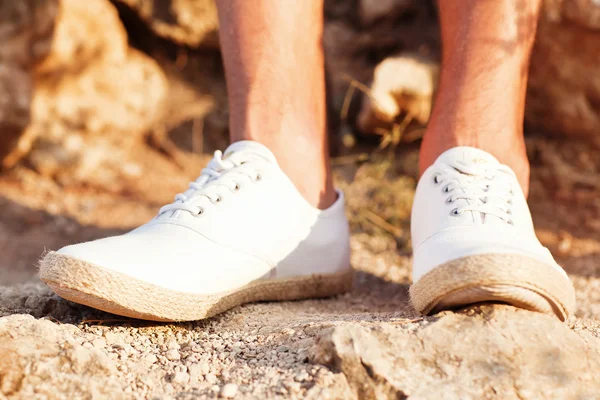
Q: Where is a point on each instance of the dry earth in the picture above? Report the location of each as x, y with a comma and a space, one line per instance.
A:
369, 343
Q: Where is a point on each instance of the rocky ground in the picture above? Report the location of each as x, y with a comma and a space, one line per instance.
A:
369, 343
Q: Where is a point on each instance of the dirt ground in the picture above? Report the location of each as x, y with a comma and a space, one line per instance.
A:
257, 350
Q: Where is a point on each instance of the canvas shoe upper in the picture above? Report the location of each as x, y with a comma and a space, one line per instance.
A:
241, 221
468, 204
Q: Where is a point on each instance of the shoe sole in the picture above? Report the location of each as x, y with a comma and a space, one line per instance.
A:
116, 293
518, 280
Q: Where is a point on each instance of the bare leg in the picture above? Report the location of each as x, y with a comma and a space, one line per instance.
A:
276, 82
481, 97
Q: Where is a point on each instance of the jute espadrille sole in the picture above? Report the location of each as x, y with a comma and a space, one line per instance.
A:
120, 294
514, 279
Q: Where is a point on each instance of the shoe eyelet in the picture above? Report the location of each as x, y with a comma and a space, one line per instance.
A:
511, 222
450, 200
258, 178
237, 187
218, 199
446, 189
200, 211
436, 179
455, 212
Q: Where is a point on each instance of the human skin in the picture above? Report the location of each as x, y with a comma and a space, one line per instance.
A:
275, 72
486, 46
274, 65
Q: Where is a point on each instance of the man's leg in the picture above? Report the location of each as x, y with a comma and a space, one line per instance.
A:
242, 232
276, 83
486, 46
471, 228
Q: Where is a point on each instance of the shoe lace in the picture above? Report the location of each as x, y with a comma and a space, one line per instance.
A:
221, 173
488, 191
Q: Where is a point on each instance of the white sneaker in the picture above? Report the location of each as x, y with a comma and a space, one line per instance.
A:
240, 233
474, 240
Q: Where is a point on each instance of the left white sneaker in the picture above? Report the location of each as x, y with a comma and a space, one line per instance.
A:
474, 240
240, 233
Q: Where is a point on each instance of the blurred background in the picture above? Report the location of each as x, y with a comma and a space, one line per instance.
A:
109, 108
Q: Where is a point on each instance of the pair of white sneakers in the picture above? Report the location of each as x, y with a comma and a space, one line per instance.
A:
243, 233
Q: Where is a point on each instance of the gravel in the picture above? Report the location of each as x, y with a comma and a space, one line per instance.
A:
257, 351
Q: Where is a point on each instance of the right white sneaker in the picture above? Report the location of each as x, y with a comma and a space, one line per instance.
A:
241, 233
474, 240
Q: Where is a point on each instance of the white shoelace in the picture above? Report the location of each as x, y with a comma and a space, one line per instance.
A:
230, 173
487, 191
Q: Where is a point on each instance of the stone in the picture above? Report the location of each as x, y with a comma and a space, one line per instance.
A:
403, 84
25, 33
195, 372
180, 378
39, 359
191, 23
563, 95
95, 97
229, 390
173, 355
204, 368
150, 359
476, 353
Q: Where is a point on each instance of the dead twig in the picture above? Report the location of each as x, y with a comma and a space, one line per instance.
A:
394, 136
350, 159
383, 224
158, 140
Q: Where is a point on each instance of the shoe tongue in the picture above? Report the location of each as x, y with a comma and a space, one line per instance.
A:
249, 146
468, 157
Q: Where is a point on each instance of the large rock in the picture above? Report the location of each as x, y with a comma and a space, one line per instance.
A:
38, 359
564, 81
401, 85
25, 33
94, 96
187, 22
486, 352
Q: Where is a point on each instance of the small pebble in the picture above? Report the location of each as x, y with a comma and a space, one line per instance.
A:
180, 378
150, 359
204, 368
302, 376
229, 390
173, 345
195, 372
100, 343
173, 355
210, 378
